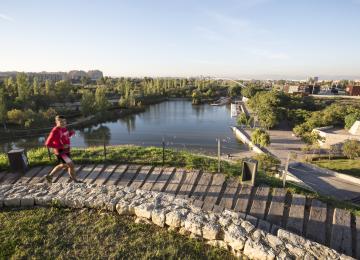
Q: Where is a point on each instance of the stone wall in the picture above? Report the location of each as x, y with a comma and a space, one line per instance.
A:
227, 229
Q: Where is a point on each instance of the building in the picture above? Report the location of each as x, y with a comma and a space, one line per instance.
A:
95, 74
43, 76
353, 90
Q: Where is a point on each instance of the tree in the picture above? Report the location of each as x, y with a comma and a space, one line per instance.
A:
47, 87
3, 108
351, 148
350, 119
260, 137
16, 116
87, 103
250, 91
10, 87
36, 86
23, 87
196, 97
63, 90
243, 119
101, 102
234, 91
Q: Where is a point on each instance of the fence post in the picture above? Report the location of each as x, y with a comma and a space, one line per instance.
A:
286, 170
49, 154
104, 150
48, 150
218, 155
163, 151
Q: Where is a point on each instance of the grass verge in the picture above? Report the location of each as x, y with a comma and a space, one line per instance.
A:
49, 233
346, 166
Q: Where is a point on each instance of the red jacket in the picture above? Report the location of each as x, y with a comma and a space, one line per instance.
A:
58, 137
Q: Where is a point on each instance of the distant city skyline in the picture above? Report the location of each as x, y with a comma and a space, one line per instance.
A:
260, 39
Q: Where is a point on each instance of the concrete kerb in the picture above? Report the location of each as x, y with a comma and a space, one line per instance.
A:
227, 229
333, 173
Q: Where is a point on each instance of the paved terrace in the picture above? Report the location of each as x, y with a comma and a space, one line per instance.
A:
267, 208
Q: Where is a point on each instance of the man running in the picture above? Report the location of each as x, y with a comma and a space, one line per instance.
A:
59, 140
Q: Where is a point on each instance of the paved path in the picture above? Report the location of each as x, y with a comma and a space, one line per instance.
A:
266, 208
325, 183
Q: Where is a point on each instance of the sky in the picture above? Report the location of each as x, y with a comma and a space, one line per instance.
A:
182, 38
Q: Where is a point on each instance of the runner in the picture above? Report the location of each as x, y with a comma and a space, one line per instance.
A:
59, 140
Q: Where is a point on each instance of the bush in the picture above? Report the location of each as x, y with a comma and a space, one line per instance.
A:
351, 149
260, 137
268, 163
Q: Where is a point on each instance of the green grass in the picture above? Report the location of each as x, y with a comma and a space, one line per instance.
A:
132, 155
346, 166
49, 233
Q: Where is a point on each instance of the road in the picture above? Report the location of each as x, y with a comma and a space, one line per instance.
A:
324, 183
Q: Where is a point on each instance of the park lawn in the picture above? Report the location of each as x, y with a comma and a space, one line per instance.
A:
49, 233
346, 166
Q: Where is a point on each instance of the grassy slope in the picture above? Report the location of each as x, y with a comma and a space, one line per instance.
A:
347, 166
49, 233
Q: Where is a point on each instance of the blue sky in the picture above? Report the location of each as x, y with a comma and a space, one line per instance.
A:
228, 38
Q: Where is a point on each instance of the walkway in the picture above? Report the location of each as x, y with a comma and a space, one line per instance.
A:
265, 207
324, 183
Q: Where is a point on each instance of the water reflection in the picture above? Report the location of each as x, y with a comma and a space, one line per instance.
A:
94, 136
129, 121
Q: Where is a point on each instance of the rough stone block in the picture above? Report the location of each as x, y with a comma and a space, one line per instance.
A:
194, 223
235, 236
211, 231
12, 202
274, 242
173, 218
43, 200
252, 219
257, 251
27, 202
144, 210
122, 208
247, 226
158, 217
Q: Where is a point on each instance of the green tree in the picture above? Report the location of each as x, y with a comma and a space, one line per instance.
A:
47, 87
250, 91
87, 103
260, 137
10, 87
196, 97
101, 102
234, 91
16, 116
351, 118
23, 87
3, 108
36, 86
351, 148
63, 90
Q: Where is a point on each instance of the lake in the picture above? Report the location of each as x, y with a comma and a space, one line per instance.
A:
179, 123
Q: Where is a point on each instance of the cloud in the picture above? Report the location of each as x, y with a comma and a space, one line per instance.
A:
270, 54
6, 18
229, 21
